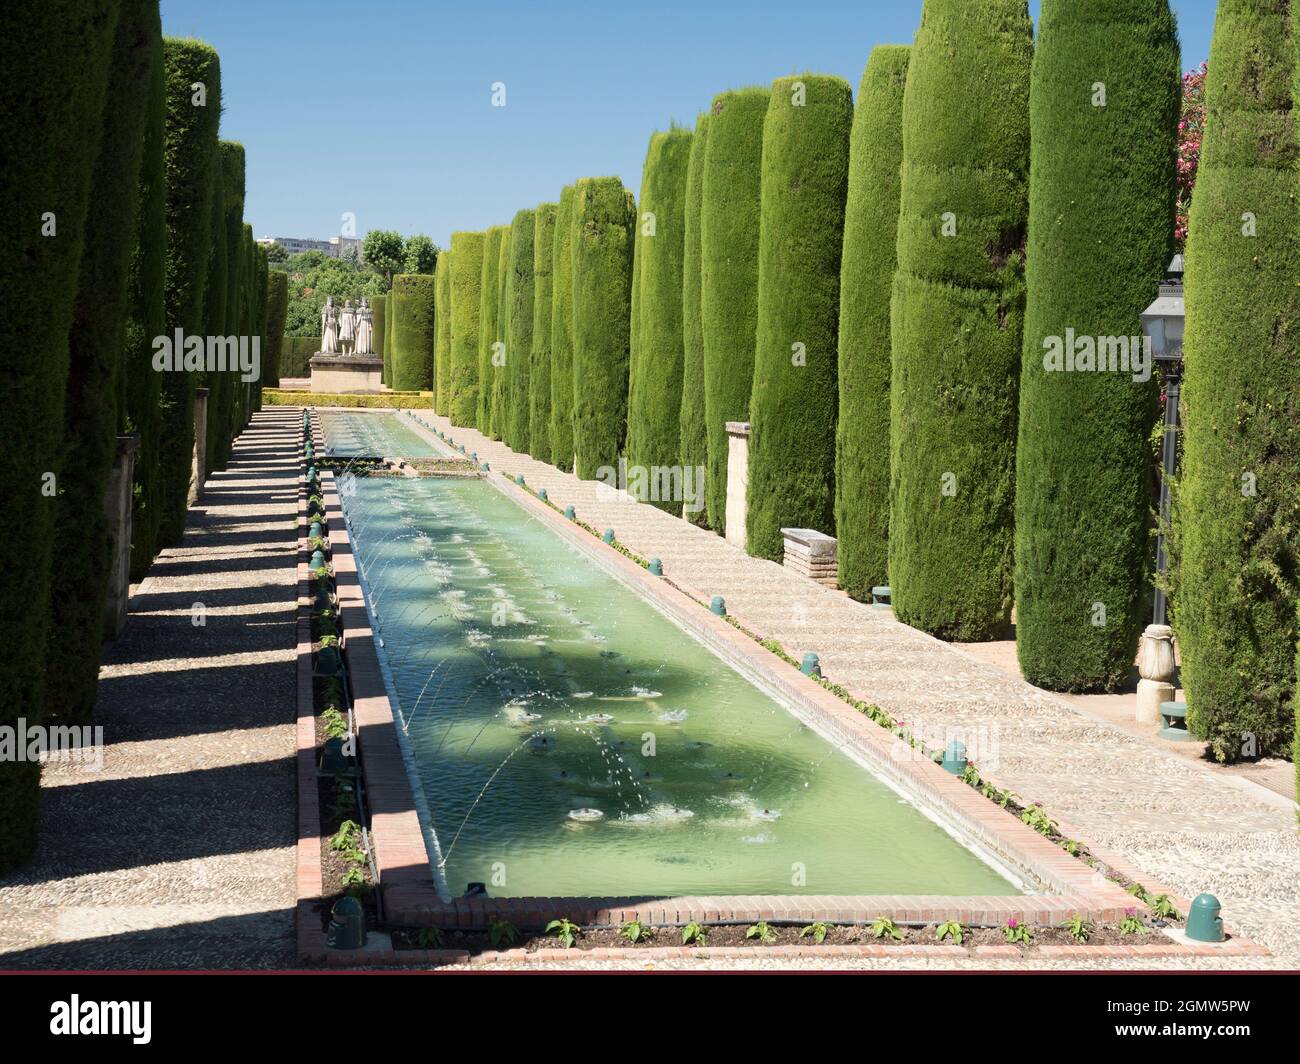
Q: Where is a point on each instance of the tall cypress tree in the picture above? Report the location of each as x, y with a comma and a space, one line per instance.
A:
693, 445
729, 230
1236, 510
866, 278
499, 400
442, 338
539, 387
1104, 113
488, 335
957, 317
413, 332
277, 304
655, 394
793, 405
603, 216
519, 297
562, 334
220, 383
467, 254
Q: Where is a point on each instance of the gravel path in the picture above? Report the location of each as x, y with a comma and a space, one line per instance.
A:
179, 851
1180, 822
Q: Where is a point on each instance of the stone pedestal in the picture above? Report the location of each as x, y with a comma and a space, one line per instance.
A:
1156, 667
737, 481
342, 374
199, 466
812, 554
118, 500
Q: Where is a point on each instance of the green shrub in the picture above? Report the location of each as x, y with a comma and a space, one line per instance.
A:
562, 334
83, 541
1238, 504
1101, 225
277, 307
793, 405
499, 400
140, 388
232, 172
380, 401
387, 351
190, 151
53, 84
729, 227
603, 216
262, 293
413, 331
539, 386
295, 355
655, 391
378, 320
467, 257
489, 326
957, 316
442, 337
866, 278
220, 388
693, 445
519, 338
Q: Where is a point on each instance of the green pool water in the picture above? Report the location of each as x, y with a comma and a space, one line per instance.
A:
536, 692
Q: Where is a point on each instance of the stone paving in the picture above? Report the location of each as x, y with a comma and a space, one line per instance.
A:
1177, 821
180, 851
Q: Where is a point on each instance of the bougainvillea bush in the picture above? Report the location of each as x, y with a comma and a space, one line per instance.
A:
1190, 127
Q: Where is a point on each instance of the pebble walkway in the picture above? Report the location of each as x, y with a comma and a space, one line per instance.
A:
179, 853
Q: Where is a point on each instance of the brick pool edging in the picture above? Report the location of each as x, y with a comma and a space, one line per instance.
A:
406, 882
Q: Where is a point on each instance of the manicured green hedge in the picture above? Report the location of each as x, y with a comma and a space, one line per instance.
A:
442, 336
539, 373
413, 331
140, 386
382, 401
729, 227
190, 151
219, 385
693, 445
1234, 602
519, 342
489, 327
262, 295
378, 320
467, 254
793, 405
958, 311
233, 172
387, 352
655, 391
277, 309
498, 401
603, 216
866, 278
562, 334
295, 356
1101, 223
53, 83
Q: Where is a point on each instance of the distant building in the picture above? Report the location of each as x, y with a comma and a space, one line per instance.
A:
333, 247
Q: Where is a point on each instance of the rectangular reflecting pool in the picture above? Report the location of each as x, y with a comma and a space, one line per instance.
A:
568, 739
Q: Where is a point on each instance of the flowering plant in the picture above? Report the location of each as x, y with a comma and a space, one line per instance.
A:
1191, 128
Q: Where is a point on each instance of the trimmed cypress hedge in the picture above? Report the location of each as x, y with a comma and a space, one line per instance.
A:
866, 278
489, 327
233, 172
693, 446
655, 391
467, 255
519, 342
957, 316
295, 355
262, 292
562, 334
219, 384
442, 335
190, 151
729, 227
413, 332
603, 215
795, 396
1101, 224
1235, 538
53, 84
277, 309
83, 541
539, 372
378, 317
140, 386
387, 352
499, 399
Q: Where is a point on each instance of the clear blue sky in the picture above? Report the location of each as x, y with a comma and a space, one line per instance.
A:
383, 108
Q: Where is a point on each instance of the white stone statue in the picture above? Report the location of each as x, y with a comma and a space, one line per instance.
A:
347, 328
329, 328
365, 328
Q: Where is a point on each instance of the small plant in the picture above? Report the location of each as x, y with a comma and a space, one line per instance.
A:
1132, 924
1079, 928
1071, 847
345, 837
565, 930
951, 930
334, 723
761, 931
970, 775
694, 934
1164, 908
429, 938
1038, 819
1015, 932
635, 931
502, 933
1138, 891
354, 882
884, 927
817, 931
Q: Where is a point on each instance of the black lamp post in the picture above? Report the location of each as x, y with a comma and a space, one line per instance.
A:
1162, 321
